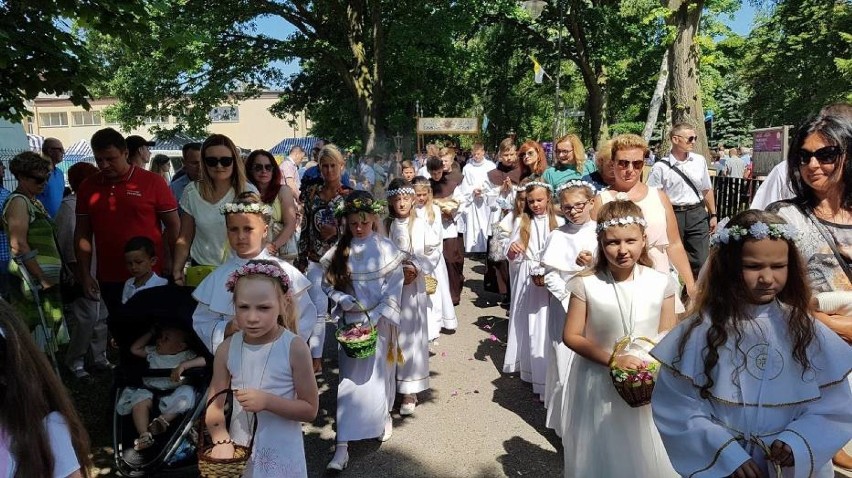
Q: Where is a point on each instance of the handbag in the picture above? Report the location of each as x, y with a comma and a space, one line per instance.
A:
831, 244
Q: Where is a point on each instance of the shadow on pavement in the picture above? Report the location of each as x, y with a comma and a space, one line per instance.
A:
523, 458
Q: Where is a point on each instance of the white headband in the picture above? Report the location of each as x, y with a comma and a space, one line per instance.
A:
539, 184
577, 183
399, 191
622, 221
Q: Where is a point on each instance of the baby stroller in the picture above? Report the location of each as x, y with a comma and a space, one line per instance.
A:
173, 452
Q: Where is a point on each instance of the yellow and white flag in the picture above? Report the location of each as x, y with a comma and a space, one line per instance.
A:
537, 70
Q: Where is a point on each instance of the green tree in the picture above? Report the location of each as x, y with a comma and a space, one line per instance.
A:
41, 54
797, 60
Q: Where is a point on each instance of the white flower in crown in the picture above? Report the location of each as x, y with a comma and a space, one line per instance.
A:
621, 197
622, 221
759, 230
576, 183
255, 268
537, 184
236, 208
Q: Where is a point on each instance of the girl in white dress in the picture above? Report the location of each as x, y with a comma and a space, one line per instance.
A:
439, 306
569, 250
750, 381
364, 279
623, 296
270, 370
526, 347
411, 235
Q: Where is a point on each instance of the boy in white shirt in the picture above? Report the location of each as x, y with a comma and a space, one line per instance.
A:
140, 257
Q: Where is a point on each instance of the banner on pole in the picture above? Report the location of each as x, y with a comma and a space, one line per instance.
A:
447, 125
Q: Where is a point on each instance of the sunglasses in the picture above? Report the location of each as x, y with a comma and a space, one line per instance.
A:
689, 139
624, 164
37, 179
261, 167
826, 155
224, 161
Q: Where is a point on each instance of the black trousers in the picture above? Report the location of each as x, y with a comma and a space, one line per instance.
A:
695, 234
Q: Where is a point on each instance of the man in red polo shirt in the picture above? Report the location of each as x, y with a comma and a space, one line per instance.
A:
118, 203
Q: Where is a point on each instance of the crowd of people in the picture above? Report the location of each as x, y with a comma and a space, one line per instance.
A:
620, 293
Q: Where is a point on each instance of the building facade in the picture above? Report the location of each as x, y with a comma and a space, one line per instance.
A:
248, 123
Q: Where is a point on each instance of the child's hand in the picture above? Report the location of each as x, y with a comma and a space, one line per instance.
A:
628, 362
222, 451
584, 259
515, 250
251, 399
781, 453
748, 469
347, 302
177, 372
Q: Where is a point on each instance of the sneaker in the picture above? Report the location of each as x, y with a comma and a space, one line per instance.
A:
407, 408
78, 369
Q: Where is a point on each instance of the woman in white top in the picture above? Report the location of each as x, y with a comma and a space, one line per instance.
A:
202, 231
40, 432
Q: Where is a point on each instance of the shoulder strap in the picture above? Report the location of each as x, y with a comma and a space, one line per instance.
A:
683, 176
830, 241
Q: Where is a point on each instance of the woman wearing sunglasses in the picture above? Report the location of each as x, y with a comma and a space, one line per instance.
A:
533, 159
820, 173
264, 174
202, 232
32, 238
664, 244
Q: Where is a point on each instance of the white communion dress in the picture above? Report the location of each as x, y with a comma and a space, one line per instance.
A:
602, 435
279, 449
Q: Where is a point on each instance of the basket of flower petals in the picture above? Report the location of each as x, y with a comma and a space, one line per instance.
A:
358, 340
635, 386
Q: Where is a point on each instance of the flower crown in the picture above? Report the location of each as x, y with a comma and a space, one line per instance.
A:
622, 221
577, 183
536, 184
253, 208
259, 268
759, 230
362, 204
400, 191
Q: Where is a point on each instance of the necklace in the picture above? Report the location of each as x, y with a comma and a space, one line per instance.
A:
627, 323
265, 364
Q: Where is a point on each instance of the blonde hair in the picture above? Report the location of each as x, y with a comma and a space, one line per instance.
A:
288, 313
579, 150
332, 152
421, 182
604, 153
627, 141
238, 171
526, 215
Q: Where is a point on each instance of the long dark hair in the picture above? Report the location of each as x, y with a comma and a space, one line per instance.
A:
274, 187
835, 130
724, 298
29, 392
338, 274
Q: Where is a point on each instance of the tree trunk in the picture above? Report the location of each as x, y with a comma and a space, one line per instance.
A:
594, 78
683, 66
657, 99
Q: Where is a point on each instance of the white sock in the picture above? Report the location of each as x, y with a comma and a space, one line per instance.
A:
341, 451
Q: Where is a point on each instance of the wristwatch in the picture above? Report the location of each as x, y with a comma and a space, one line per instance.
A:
714, 215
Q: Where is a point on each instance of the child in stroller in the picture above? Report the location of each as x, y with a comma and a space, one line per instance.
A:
170, 352
168, 407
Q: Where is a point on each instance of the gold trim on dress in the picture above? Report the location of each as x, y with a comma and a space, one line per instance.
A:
715, 458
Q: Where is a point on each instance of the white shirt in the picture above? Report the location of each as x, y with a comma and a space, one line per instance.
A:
210, 244
64, 456
130, 290
775, 188
680, 193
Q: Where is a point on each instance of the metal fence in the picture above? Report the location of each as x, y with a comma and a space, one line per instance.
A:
733, 194
6, 155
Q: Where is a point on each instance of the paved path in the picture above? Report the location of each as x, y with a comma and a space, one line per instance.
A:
476, 422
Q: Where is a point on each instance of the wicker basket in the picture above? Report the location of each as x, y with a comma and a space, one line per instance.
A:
538, 280
362, 349
431, 284
636, 392
209, 467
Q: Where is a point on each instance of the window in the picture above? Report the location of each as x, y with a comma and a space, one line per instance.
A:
157, 120
86, 118
225, 114
53, 119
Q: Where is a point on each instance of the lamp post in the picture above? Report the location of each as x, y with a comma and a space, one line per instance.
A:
397, 141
